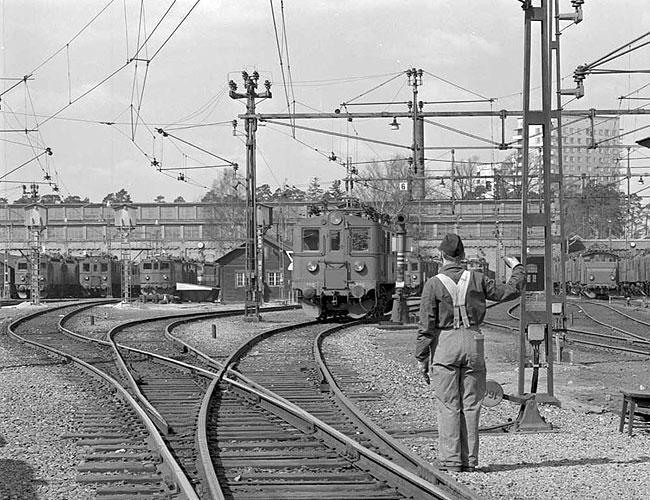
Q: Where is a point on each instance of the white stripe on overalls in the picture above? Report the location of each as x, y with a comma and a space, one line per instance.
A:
458, 293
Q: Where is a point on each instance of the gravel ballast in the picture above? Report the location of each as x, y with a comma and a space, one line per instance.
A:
584, 458
38, 401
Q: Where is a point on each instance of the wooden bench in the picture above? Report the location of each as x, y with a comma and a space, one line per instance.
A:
635, 404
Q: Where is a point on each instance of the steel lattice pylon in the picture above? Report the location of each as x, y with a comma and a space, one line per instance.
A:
35, 273
126, 270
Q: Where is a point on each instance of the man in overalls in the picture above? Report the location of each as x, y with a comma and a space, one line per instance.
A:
450, 341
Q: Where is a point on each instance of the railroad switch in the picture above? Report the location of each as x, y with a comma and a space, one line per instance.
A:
528, 419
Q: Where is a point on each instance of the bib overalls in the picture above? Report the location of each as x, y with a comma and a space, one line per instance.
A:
458, 378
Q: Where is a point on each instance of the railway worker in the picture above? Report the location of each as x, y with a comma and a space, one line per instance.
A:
450, 340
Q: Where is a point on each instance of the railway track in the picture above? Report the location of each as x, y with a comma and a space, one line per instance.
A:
287, 438
290, 364
126, 455
625, 334
170, 384
262, 445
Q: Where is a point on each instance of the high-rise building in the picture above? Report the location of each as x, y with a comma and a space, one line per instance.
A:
590, 152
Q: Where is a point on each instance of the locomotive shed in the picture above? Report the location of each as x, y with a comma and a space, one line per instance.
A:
586, 458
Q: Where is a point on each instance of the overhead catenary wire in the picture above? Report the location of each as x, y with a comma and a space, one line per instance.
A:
280, 50
167, 134
175, 30
143, 45
614, 54
72, 100
286, 48
490, 99
327, 132
84, 28
394, 77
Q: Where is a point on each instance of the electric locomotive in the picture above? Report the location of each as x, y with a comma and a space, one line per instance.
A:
481, 265
207, 274
160, 275
343, 264
417, 270
593, 273
634, 275
58, 277
100, 276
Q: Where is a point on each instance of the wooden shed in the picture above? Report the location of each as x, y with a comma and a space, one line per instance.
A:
277, 273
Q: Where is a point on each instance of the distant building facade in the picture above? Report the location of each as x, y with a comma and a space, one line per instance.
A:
277, 274
580, 159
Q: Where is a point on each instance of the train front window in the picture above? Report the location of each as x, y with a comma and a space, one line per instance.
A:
414, 267
146, 265
335, 241
104, 267
360, 239
164, 266
86, 267
310, 240
22, 266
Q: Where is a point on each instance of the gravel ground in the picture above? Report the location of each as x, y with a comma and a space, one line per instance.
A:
585, 458
38, 399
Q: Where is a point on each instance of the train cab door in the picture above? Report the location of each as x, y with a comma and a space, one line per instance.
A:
336, 270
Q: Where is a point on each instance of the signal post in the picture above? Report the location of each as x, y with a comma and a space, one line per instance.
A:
125, 217
36, 222
542, 307
254, 235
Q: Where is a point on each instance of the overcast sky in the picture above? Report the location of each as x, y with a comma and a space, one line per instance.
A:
99, 113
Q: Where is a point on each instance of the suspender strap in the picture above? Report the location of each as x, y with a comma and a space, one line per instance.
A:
458, 294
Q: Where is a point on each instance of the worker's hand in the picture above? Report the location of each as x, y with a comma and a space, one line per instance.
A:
423, 368
511, 261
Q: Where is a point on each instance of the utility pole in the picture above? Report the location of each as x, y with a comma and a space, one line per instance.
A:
628, 220
254, 283
453, 189
417, 184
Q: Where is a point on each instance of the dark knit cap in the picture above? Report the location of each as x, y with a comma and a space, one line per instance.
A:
452, 245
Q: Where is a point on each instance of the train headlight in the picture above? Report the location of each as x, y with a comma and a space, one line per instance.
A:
105, 278
309, 293
336, 218
359, 266
22, 278
147, 278
86, 278
358, 291
414, 277
312, 266
165, 277
612, 277
591, 277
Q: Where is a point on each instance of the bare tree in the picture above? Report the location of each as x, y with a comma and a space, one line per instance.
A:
464, 177
384, 184
228, 186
